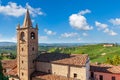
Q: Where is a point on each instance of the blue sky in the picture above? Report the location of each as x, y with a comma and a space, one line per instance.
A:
63, 21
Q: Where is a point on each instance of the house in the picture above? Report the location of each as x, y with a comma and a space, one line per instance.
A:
8, 65
104, 72
6, 55
45, 66
108, 45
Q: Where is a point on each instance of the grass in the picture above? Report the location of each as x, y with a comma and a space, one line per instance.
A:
94, 51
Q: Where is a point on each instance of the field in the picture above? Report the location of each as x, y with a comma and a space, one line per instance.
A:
96, 52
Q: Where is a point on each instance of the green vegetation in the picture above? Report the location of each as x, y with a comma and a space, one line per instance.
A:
2, 77
7, 49
115, 60
97, 53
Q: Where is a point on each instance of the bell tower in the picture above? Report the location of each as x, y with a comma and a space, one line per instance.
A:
27, 48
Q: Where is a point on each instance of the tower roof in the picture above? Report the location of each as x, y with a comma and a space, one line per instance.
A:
27, 20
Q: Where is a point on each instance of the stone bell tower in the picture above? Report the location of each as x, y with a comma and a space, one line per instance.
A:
27, 48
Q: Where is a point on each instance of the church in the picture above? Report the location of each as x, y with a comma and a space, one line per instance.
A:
32, 65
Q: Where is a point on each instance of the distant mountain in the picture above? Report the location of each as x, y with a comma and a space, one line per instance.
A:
63, 44
7, 44
49, 44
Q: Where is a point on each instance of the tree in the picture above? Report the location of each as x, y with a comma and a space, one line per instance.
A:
2, 77
116, 60
1, 71
109, 61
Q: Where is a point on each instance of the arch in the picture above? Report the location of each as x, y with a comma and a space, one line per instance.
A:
22, 36
32, 35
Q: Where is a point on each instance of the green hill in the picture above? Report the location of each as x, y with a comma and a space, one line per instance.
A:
97, 53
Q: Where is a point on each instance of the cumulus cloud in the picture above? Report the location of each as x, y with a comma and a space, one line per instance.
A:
84, 34
115, 21
79, 39
105, 28
84, 12
13, 9
49, 32
78, 21
101, 25
110, 32
68, 35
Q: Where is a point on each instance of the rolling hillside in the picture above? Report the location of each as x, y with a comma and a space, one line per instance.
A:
97, 53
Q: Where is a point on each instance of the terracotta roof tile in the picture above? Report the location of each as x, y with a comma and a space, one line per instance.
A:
13, 71
105, 68
9, 63
67, 59
46, 76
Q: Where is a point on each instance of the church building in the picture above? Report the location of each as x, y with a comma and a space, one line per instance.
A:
32, 65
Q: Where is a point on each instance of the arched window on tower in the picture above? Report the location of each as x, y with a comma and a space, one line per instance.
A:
22, 36
32, 35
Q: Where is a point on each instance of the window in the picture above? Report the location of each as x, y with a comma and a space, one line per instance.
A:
22, 73
100, 77
33, 61
75, 75
12, 79
32, 35
33, 49
92, 74
22, 61
4, 70
22, 36
113, 78
49, 71
22, 49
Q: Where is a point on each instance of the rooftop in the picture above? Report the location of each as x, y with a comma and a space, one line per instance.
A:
46, 76
9, 63
106, 68
66, 59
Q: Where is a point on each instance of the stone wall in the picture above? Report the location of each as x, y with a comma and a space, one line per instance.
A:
64, 70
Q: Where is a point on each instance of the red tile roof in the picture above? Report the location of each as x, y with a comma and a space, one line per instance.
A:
67, 59
9, 63
46, 76
105, 68
13, 72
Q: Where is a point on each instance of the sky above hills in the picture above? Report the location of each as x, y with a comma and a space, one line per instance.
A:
63, 21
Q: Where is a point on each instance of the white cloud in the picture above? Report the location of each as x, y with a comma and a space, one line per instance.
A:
34, 11
12, 39
85, 34
105, 28
115, 21
78, 21
79, 39
41, 38
101, 25
67, 35
110, 32
49, 32
84, 12
12, 9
